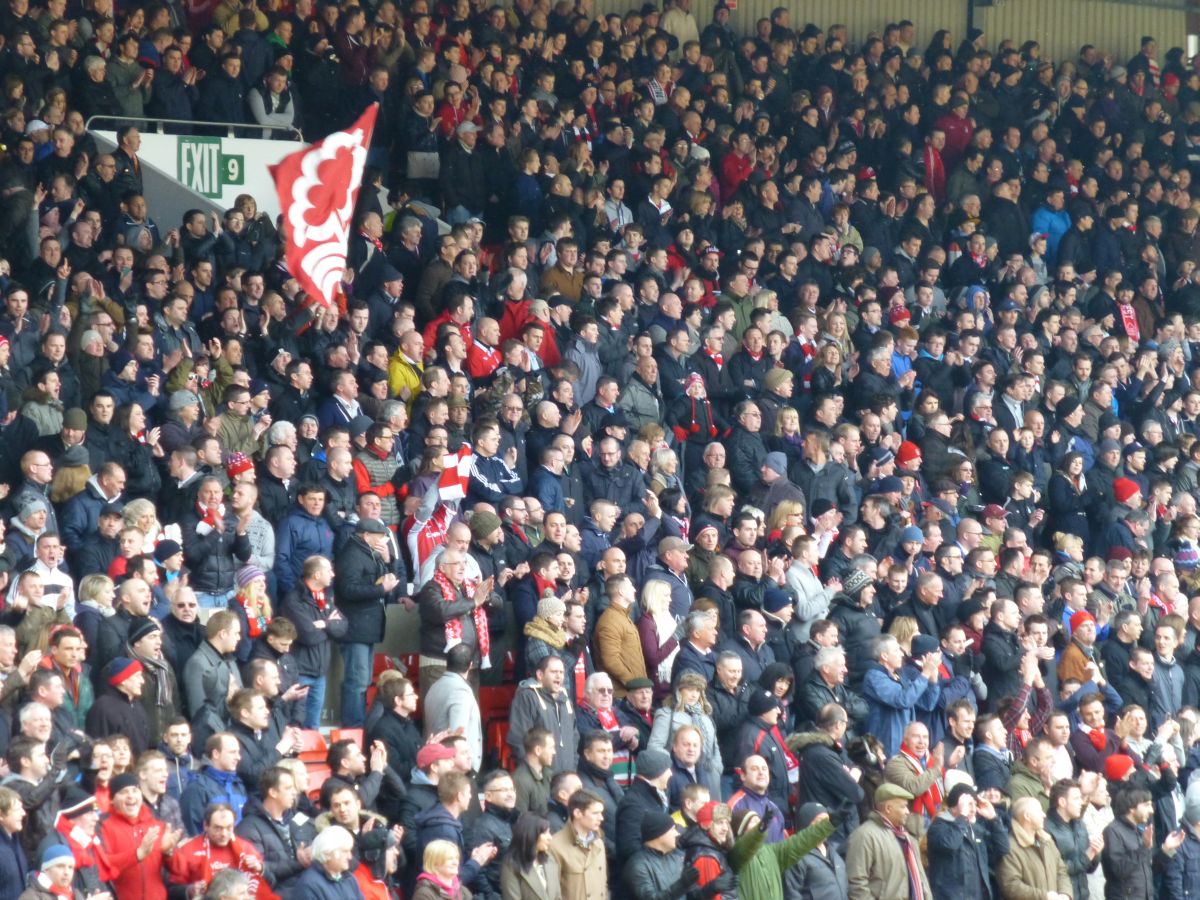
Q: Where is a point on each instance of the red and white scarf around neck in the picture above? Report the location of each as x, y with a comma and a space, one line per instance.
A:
454, 629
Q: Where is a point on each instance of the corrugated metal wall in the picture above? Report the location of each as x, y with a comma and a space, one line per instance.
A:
1061, 26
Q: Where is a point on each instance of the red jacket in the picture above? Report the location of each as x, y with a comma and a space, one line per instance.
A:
734, 170
118, 863
371, 887
431, 331
198, 859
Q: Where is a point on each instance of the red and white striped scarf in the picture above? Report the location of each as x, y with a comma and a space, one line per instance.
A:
454, 628
452, 483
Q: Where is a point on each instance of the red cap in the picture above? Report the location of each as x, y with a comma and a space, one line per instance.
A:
1118, 766
1080, 617
995, 511
899, 314
431, 753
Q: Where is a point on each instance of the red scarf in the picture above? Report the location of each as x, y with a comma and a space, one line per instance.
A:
454, 630
927, 804
366, 237
319, 599
254, 624
580, 674
718, 358
1129, 321
545, 587
915, 891
755, 356
1098, 738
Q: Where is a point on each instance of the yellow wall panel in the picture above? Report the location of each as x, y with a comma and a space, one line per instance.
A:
1060, 26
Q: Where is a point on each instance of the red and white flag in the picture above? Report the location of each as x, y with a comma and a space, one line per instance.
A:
452, 483
318, 187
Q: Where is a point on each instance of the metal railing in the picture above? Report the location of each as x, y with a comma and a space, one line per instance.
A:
157, 125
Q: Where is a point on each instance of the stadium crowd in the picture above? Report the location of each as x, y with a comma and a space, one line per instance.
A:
755, 465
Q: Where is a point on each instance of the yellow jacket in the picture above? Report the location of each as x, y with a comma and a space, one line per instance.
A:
403, 374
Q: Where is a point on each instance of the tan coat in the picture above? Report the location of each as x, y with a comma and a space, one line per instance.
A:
875, 865
900, 771
1073, 665
619, 648
584, 869
516, 885
1032, 867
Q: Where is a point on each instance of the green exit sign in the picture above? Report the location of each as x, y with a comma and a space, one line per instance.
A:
203, 168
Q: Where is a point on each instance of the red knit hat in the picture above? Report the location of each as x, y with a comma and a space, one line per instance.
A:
1080, 617
237, 464
907, 453
1118, 766
1124, 489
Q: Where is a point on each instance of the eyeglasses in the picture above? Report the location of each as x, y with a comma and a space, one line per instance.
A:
604, 690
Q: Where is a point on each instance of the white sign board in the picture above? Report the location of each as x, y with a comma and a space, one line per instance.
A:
216, 168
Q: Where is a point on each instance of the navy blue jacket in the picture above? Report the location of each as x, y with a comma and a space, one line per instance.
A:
298, 537
14, 866
959, 867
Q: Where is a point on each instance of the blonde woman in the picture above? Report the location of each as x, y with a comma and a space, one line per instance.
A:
768, 299
689, 705
657, 628
439, 876
140, 514
829, 369
787, 514
253, 607
835, 330
96, 593
904, 629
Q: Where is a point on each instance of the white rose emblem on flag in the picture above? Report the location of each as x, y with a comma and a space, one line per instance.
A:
318, 187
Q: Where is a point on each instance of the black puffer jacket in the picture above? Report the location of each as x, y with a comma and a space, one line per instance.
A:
1071, 838
277, 842
640, 798
859, 627
494, 826
1002, 654
824, 780
360, 597
747, 454
622, 484
213, 557
402, 738
312, 647
728, 714
1128, 863
650, 875
818, 876
815, 694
